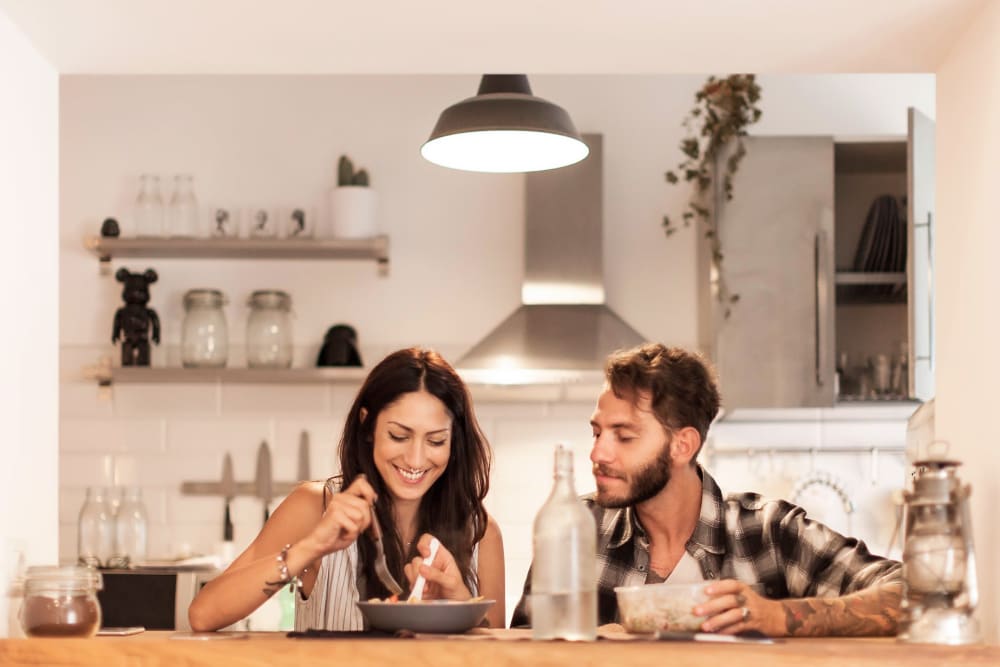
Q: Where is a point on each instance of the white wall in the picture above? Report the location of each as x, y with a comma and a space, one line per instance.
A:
29, 268
968, 313
455, 265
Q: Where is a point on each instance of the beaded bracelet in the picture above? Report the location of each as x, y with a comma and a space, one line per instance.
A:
285, 577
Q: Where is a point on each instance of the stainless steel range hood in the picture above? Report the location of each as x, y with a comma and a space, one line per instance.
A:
563, 331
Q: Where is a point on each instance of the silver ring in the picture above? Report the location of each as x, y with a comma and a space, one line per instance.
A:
746, 613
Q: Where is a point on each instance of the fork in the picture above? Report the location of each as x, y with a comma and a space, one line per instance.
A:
381, 569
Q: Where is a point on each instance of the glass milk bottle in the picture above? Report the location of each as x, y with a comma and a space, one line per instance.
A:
564, 569
131, 529
96, 534
183, 216
149, 207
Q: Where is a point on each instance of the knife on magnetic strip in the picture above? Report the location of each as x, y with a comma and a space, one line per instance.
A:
228, 490
264, 482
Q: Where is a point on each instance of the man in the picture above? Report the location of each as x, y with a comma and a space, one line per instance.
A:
661, 517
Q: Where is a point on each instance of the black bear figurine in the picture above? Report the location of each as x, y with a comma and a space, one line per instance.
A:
134, 319
340, 347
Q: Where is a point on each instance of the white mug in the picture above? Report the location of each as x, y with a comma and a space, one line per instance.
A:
262, 222
298, 222
224, 222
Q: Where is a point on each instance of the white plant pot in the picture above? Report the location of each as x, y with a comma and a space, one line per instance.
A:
352, 212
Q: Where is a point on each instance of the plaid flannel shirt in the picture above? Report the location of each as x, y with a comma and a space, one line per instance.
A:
742, 537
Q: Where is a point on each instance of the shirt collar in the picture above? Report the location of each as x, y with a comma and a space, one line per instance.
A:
622, 525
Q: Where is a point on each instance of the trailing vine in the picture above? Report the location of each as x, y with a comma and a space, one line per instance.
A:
724, 109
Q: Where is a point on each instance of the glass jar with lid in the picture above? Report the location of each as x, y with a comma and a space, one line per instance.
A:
61, 602
204, 334
269, 330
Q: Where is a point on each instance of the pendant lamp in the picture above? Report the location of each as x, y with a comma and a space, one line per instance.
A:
504, 129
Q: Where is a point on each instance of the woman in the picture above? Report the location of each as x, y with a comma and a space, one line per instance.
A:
413, 457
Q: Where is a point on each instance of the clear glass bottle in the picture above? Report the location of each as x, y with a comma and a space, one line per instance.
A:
149, 207
96, 529
204, 334
61, 602
269, 330
564, 568
131, 530
183, 208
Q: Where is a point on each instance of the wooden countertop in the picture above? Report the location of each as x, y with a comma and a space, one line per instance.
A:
496, 649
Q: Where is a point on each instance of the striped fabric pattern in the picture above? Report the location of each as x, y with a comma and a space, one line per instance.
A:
332, 603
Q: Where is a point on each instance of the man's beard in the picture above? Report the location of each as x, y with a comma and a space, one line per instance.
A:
646, 483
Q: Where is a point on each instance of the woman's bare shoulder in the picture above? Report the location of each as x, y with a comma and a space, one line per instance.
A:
492, 529
306, 500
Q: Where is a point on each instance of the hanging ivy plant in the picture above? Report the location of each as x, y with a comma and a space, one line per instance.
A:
724, 109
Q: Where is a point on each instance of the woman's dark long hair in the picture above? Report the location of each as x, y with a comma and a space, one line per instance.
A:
452, 509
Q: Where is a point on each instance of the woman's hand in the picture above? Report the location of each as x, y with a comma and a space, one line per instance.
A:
734, 607
347, 515
444, 580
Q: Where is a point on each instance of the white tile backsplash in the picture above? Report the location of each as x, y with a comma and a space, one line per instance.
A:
324, 437
84, 399
278, 399
111, 435
162, 435
239, 434
143, 400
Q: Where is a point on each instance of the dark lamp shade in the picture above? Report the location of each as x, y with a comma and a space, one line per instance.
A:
504, 129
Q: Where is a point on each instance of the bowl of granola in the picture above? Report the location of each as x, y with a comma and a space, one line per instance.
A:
654, 607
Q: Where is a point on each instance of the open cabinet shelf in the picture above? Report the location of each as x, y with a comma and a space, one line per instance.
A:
869, 278
375, 248
870, 288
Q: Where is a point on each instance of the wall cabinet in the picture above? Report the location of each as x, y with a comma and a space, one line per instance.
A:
827, 307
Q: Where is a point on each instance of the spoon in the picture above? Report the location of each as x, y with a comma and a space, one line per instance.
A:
418, 585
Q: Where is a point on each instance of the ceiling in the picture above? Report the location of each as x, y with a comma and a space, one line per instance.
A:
469, 36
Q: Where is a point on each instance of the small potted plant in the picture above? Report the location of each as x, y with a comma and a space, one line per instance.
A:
352, 203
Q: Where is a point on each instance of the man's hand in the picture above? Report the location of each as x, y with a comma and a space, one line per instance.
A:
734, 607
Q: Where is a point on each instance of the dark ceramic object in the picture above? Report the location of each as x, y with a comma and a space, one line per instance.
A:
110, 228
340, 347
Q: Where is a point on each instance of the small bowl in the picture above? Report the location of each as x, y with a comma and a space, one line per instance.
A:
654, 607
437, 616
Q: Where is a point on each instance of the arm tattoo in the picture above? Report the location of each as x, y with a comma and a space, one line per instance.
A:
873, 611
272, 587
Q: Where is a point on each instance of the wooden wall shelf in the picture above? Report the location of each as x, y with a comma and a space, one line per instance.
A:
375, 248
106, 376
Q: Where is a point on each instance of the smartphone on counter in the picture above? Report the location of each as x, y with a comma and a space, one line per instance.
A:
120, 632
